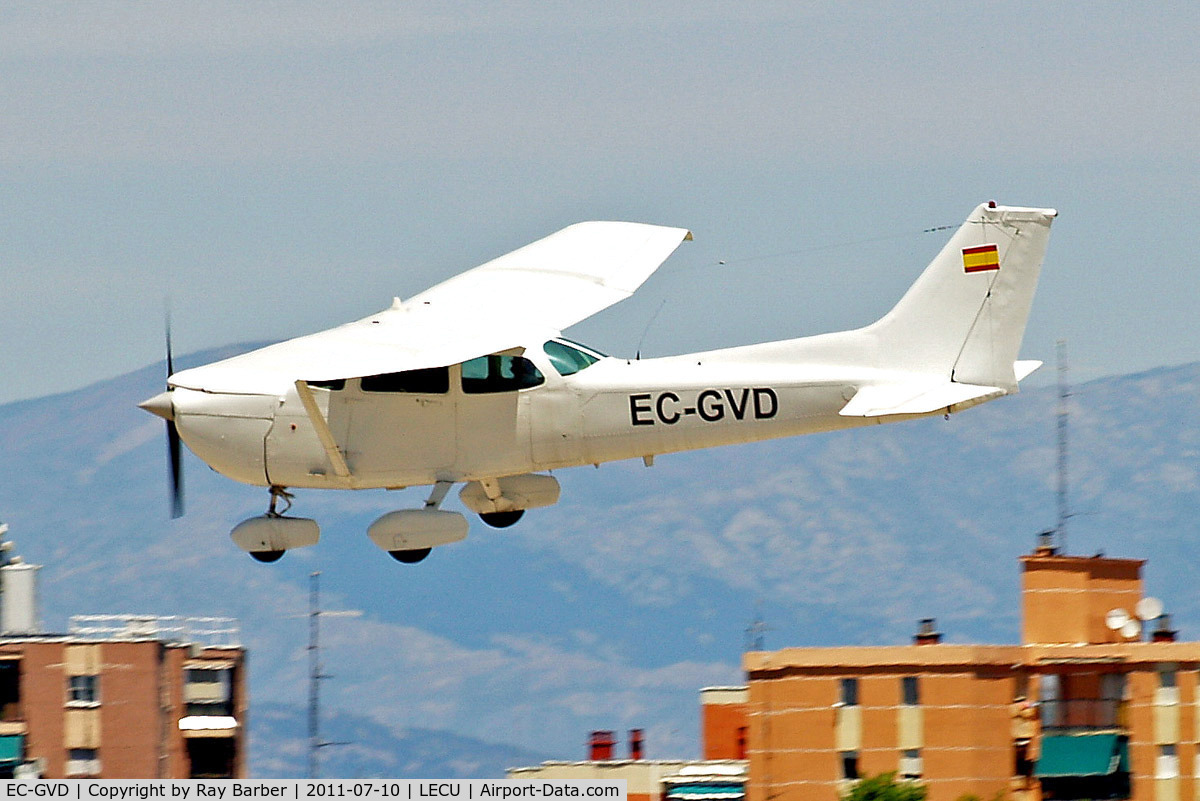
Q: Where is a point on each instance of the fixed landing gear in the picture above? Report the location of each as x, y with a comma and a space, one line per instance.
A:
408, 535
410, 557
501, 519
267, 537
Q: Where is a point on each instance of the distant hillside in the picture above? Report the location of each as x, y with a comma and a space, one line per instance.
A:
364, 749
611, 609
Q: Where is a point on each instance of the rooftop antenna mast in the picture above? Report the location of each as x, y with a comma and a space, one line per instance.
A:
316, 674
1064, 393
755, 639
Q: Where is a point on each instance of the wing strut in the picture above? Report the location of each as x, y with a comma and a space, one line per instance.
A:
323, 433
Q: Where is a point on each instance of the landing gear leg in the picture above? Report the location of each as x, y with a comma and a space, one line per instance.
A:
278, 492
501, 518
439, 494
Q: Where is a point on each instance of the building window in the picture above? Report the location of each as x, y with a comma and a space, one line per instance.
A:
1167, 693
83, 690
10, 691
910, 763
209, 691
849, 693
83, 762
910, 691
849, 764
1024, 764
1168, 763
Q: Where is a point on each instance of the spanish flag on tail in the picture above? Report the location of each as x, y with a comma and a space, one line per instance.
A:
981, 259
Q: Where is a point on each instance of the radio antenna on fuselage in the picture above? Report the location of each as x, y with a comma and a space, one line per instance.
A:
646, 330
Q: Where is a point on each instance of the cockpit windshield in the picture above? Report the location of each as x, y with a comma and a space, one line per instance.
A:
568, 357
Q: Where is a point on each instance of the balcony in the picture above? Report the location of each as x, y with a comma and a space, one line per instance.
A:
1083, 715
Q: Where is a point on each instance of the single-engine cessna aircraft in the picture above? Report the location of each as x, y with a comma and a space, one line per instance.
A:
471, 381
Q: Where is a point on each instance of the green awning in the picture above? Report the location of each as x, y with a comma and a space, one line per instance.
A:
1082, 755
704, 791
12, 749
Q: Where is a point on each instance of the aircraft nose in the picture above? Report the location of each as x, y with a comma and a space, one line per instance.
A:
161, 405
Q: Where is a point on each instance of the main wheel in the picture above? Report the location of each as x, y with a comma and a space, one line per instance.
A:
410, 557
501, 519
267, 556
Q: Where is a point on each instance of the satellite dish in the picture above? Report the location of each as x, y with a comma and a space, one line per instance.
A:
1149, 608
1131, 629
1116, 618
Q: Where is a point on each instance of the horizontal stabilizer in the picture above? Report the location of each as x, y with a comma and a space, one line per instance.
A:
879, 400
1023, 369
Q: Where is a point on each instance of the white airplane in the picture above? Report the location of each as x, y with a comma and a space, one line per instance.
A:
471, 381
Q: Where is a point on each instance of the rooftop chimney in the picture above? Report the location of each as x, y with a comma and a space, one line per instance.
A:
927, 633
601, 746
635, 744
1163, 631
1045, 544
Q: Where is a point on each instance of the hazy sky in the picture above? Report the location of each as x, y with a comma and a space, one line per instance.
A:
278, 168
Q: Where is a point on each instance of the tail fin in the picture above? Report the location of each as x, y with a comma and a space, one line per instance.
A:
965, 316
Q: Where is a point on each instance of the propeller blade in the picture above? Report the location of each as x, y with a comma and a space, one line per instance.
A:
173, 452
170, 363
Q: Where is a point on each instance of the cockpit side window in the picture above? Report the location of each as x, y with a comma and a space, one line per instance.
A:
333, 384
498, 373
428, 381
568, 359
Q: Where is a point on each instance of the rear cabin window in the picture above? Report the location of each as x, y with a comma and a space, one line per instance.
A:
568, 359
333, 384
429, 381
498, 373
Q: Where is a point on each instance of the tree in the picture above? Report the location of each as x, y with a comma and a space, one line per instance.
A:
885, 787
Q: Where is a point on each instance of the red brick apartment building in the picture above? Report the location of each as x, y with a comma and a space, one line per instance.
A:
118, 696
132, 698
1087, 706
1094, 703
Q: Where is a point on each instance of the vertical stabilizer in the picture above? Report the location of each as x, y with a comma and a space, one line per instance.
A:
965, 316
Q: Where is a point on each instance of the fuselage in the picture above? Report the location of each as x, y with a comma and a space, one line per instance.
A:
547, 406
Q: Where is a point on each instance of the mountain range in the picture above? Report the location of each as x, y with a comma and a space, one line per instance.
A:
612, 609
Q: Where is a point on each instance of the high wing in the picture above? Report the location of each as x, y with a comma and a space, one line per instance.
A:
525, 296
